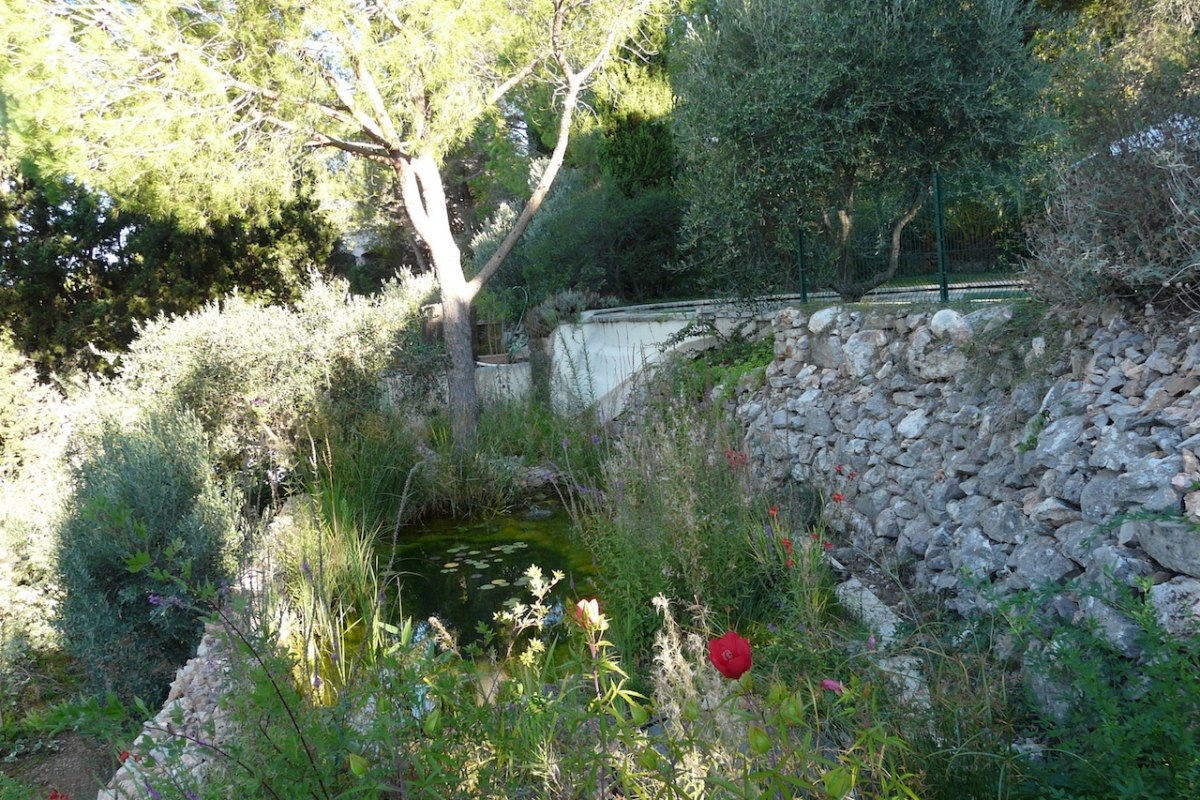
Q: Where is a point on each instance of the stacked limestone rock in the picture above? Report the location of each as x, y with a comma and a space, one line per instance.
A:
1071, 473
177, 745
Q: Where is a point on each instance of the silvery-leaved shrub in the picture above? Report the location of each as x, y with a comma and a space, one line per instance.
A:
1124, 222
253, 374
144, 527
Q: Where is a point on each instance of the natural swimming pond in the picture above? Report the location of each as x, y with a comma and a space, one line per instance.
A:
463, 572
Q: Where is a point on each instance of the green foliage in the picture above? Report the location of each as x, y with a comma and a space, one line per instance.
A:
145, 525
794, 107
29, 410
78, 271
1118, 67
255, 374
592, 238
672, 517
1125, 221
1127, 727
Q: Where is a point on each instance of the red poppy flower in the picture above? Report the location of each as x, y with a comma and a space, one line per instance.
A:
815, 537
730, 654
787, 545
774, 512
124, 755
838, 497
829, 545
789, 563
838, 469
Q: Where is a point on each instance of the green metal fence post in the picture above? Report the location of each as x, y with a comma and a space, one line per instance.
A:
939, 213
801, 264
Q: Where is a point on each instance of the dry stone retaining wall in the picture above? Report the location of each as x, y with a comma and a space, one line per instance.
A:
1079, 471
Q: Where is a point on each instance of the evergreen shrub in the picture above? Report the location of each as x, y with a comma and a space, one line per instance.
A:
145, 523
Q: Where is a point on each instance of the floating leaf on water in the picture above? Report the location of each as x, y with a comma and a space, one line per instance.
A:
500, 582
435, 558
484, 587
443, 569
477, 575
474, 552
497, 548
521, 581
451, 564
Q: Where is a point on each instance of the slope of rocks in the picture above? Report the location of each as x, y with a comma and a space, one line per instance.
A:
984, 471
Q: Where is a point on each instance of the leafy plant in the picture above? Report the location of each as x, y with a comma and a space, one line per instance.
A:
144, 525
1127, 727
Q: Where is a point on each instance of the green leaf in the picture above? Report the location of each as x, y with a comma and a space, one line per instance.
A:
138, 561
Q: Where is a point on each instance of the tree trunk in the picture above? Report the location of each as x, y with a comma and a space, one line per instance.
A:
424, 198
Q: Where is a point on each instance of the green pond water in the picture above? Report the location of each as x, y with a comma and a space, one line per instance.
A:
463, 572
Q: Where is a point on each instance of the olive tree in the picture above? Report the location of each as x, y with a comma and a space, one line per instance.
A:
799, 106
205, 108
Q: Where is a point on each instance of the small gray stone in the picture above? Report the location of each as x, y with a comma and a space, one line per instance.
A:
1113, 626
1098, 501
1058, 443
1005, 523
1175, 545
1178, 605
1038, 562
913, 424
1055, 513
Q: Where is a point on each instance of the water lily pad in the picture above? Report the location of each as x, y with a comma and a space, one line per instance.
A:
500, 582
497, 548
485, 587
474, 552
443, 569
477, 575
521, 581
451, 564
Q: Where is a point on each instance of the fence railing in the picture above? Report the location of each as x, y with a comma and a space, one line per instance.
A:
955, 247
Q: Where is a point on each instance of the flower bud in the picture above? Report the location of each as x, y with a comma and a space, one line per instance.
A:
760, 740
433, 722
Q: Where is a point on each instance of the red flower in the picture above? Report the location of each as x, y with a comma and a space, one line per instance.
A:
787, 545
730, 654
829, 545
853, 475
833, 686
815, 537
774, 512
124, 755
838, 469
789, 563
838, 497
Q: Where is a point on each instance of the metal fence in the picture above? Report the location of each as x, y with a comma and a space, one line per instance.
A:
955, 248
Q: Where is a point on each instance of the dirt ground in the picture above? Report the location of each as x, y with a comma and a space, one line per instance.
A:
78, 768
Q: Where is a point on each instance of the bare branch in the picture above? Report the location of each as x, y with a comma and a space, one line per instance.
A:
506, 87
367, 84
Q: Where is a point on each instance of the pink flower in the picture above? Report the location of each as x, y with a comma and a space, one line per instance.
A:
588, 613
833, 686
730, 654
